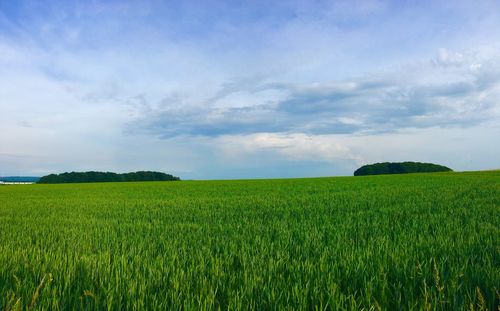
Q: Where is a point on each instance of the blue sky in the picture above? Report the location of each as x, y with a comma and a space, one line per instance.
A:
247, 89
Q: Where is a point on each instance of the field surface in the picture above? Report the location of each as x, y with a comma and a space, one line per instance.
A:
419, 241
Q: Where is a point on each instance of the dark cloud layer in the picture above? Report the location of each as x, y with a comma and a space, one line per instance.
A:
363, 105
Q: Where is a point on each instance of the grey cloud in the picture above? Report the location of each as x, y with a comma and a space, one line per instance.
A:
362, 105
209, 122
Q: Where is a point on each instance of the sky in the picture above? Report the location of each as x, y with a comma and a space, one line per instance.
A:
248, 89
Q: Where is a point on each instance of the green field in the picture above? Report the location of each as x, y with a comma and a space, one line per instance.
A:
419, 241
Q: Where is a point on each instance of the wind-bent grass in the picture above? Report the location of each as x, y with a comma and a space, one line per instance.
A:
423, 241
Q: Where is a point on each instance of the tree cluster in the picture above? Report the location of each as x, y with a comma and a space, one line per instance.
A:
86, 177
399, 168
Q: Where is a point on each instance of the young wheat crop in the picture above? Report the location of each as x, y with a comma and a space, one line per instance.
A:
419, 241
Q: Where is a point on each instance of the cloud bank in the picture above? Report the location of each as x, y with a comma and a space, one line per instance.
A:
449, 91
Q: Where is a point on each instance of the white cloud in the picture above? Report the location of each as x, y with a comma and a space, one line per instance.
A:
291, 146
448, 58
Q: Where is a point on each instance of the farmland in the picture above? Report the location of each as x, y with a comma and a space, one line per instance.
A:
418, 241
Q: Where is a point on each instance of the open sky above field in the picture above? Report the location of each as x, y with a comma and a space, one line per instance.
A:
243, 89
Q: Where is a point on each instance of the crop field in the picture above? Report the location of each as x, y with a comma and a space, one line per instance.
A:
418, 241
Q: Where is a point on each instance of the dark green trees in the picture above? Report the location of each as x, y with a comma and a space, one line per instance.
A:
84, 177
399, 168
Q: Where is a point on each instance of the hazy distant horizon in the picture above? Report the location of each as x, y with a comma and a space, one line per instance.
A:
260, 89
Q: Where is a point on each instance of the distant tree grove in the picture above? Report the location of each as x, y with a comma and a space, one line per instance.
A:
399, 168
86, 177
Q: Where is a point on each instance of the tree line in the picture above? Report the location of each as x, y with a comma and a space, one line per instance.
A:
400, 168
86, 177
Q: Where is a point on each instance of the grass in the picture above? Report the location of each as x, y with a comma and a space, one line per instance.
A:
419, 241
